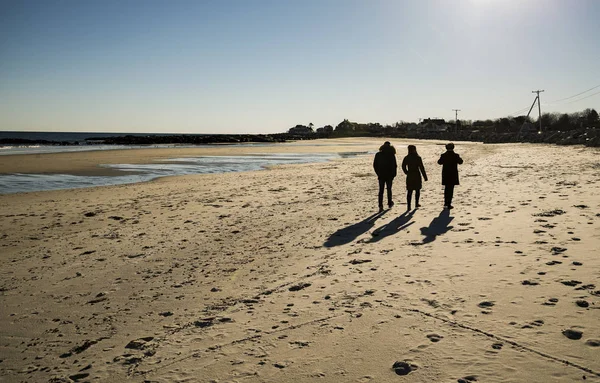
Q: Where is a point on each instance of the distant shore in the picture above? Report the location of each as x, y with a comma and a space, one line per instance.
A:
156, 139
584, 136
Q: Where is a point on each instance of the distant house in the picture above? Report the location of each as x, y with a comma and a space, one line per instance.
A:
301, 130
430, 125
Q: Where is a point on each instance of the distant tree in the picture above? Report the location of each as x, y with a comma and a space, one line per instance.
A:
325, 130
591, 116
373, 128
520, 120
563, 122
503, 125
345, 127
400, 126
548, 120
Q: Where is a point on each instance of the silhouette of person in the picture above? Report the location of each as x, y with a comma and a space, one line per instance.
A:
449, 161
412, 166
385, 167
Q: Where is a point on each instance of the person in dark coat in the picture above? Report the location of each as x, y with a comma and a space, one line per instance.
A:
412, 166
385, 167
449, 162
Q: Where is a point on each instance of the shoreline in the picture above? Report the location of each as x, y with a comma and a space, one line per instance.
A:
86, 163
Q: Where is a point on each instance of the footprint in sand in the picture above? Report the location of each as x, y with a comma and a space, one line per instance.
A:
359, 261
551, 213
572, 334
299, 286
434, 337
552, 263
79, 376
587, 287
536, 323
403, 368
529, 283
571, 283
551, 302
558, 250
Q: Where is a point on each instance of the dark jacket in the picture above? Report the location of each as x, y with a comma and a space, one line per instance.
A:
450, 162
412, 166
385, 163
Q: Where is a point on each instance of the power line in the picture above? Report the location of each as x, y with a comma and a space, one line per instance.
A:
578, 94
559, 100
583, 98
519, 111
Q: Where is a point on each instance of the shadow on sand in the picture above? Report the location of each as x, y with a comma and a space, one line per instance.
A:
350, 233
438, 226
400, 223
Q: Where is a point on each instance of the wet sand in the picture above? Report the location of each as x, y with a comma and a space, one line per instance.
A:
87, 163
291, 275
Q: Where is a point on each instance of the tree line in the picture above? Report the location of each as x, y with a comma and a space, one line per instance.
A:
553, 122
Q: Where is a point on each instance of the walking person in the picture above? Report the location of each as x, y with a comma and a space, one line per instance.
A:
385, 167
412, 166
449, 161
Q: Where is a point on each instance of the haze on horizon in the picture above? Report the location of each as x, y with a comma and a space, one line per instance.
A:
237, 66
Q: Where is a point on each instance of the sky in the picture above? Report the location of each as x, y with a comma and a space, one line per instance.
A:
253, 66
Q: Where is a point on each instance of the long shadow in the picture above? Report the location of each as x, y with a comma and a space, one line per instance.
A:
438, 226
398, 224
350, 233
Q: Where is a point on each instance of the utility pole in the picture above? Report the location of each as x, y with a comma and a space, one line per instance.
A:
539, 106
456, 119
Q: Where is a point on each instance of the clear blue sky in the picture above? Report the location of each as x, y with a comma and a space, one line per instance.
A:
249, 66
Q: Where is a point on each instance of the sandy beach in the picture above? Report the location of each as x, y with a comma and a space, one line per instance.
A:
291, 275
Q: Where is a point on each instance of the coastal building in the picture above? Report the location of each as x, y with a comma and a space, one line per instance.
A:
433, 125
301, 130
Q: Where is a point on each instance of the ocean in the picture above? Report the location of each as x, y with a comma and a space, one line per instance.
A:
79, 142
133, 173
75, 137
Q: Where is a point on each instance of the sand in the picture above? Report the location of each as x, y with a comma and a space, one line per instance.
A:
290, 275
